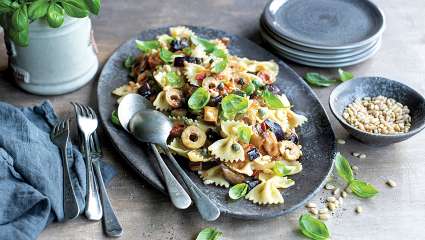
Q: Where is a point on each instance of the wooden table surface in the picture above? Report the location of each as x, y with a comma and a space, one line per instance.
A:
397, 213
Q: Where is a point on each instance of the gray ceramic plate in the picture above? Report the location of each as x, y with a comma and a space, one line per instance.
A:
302, 48
318, 56
316, 136
326, 24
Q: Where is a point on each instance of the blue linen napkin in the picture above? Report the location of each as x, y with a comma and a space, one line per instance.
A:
31, 175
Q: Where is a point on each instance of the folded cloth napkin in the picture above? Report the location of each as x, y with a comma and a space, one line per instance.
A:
31, 175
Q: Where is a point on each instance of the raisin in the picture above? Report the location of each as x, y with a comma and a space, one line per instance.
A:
252, 184
276, 129
179, 62
145, 90
212, 135
273, 89
293, 137
177, 45
215, 101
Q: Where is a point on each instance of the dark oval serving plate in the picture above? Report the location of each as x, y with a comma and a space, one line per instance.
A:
316, 135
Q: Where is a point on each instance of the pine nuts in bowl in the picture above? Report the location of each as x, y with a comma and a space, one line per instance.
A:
377, 110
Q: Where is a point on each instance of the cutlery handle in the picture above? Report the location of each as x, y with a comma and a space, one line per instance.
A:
178, 195
208, 210
70, 204
93, 210
111, 225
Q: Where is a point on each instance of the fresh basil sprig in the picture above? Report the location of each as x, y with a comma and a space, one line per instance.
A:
233, 104
363, 189
360, 188
344, 75
174, 79
75, 8
244, 133
208, 46
209, 234
114, 118
219, 66
38, 9
166, 55
271, 100
319, 80
281, 169
238, 191
343, 168
55, 15
199, 99
128, 62
313, 228
147, 46
20, 18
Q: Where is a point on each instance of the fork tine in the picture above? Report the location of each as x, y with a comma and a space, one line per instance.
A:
96, 142
88, 112
77, 110
93, 113
62, 125
91, 141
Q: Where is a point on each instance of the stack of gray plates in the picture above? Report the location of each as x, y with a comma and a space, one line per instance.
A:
323, 33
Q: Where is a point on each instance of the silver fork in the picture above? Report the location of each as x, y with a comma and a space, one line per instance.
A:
110, 221
87, 125
60, 137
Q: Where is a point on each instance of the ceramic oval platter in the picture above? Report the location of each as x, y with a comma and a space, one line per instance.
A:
316, 135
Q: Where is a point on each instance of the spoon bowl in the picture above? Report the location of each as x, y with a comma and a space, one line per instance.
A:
129, 106
150, 126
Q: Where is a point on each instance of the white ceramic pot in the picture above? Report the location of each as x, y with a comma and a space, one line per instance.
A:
57, 60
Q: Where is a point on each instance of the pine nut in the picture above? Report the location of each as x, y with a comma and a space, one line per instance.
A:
355, 154
362, 156
329, 186
391, 183
313, 211
337, 192
359, 209
331, 199
311, 205
340, 141
324, 216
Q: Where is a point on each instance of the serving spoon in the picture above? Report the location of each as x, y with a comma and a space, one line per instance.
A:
131, 104
154, 127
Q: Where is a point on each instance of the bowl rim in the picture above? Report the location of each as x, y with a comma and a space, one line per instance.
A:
410, 133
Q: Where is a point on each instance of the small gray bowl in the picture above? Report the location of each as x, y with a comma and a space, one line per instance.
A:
349, 91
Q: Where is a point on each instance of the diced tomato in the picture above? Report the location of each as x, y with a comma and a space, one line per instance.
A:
177, 130
200, 77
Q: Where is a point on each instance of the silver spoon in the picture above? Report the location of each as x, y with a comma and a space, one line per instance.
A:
131, 104
153, 126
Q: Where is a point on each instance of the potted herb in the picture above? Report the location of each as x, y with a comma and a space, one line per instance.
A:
49, 42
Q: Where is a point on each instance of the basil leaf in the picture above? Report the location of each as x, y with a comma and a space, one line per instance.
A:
147, 46
209, 234
5, 6
128, 62
233, 104
219, 67
313, 228
174, 79
20, 19
94, 6
21, 38
114, 118
244, 133
166, 55
249, 89
319, 80
238, 191
343, 168
38, 9
55, 15
344, 75
363, 189
187, 51
281, 169
272, 101
219, 53
199, 99
75, 8
206, 44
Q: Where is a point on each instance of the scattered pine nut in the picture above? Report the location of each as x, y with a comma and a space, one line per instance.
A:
313, 211
323, 211
337, 192
355, 168
311, 205
329, 186
355, 154
362, 156
324, 216
340, 200
340, 141
391, 183
331, 206
359, 209
344, 194
331, 199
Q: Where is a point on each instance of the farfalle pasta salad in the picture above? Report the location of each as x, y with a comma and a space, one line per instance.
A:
232, 124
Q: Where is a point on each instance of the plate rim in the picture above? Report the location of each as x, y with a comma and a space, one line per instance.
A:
382, 28
281, 63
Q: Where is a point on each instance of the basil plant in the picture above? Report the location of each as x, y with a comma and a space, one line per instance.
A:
16, 15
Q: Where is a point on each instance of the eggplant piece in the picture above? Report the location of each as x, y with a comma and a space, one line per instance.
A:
276, 129
253, 153
231, 176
